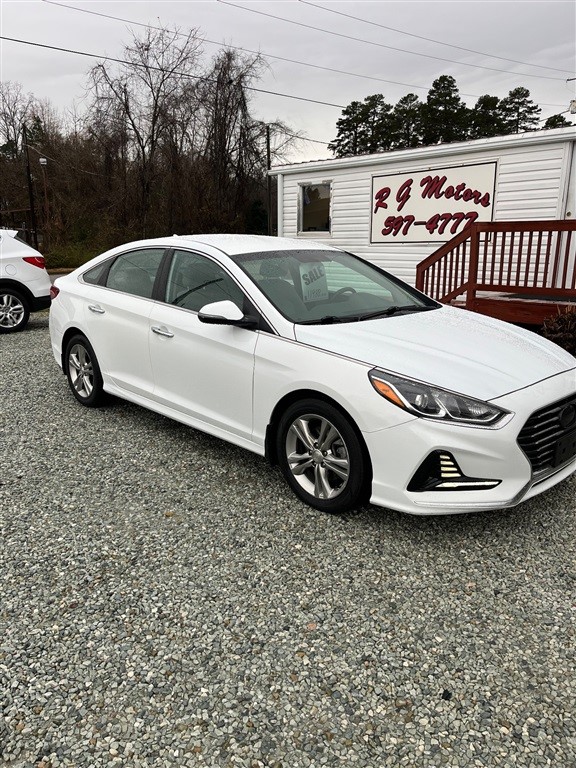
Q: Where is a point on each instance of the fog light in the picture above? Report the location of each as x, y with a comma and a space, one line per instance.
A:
440, 472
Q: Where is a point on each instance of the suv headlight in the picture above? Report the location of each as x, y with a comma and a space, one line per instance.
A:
434, 403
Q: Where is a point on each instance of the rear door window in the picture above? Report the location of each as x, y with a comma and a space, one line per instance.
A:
94, 276
135, 272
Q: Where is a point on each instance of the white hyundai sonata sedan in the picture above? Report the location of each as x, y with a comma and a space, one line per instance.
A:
358, 386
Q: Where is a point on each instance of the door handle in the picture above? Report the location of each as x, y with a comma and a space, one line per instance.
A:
96, 309
162, 332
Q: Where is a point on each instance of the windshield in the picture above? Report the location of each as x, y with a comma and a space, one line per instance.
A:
316, 286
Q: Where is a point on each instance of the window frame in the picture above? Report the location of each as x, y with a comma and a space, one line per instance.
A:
248, 307
314, 233
168, 270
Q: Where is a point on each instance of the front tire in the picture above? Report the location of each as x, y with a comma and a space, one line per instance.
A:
322, 457
83, 372
14, 311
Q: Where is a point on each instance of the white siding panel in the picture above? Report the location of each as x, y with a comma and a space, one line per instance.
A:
529, 183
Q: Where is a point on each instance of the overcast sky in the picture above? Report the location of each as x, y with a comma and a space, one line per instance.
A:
489, 47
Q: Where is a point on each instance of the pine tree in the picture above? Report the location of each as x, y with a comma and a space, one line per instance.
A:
364, 127
347, 141
373, 125
445, 115
486, 119
518, 111
557, 121
406, 123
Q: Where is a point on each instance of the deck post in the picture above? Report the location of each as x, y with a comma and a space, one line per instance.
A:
473, 267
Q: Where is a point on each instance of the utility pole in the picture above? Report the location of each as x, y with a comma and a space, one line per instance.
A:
46, 231
30, 189
268, 181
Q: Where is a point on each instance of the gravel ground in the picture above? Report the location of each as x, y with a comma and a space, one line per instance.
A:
166, 601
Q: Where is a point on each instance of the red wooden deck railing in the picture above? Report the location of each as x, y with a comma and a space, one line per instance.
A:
522, 271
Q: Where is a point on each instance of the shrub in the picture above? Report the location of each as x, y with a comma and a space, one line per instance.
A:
70, 255
561, 329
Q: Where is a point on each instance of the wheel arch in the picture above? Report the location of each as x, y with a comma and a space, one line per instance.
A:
304, 394
67, 335
20, 288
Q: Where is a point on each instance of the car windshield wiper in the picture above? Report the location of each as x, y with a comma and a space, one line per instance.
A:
395, 310
328, 320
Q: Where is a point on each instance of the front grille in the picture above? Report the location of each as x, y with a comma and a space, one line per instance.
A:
539, 436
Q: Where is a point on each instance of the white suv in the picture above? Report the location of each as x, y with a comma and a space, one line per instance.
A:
24, 282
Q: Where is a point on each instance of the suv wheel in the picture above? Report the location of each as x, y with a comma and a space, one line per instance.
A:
14, 311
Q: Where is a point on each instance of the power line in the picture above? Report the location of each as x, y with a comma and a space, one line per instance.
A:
159, 69
543, 119
429, 39
300, 138
248, 50
66, 165
382, 45
259, 53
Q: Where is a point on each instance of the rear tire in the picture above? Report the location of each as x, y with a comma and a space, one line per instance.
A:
83, 372
14, 311
322, 457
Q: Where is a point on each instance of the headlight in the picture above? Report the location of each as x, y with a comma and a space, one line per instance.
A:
434, 403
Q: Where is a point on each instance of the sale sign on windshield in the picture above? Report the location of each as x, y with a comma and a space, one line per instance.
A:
431, 205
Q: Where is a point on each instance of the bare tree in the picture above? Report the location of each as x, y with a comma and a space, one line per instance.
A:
232, 144
140, 100
168, 144
16, 107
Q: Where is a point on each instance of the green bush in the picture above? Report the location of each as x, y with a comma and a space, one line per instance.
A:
561, 329
70, 255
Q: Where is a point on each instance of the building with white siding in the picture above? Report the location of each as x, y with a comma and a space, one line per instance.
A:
396, 208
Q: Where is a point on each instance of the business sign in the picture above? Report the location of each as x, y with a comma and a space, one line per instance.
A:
433, 205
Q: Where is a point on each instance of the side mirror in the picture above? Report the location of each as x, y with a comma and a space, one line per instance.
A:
226, 313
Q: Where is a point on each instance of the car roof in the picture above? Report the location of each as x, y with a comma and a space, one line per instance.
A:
237, 244
229, 245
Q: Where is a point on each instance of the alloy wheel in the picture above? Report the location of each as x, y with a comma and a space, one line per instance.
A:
81, 370
317, 456
12, 311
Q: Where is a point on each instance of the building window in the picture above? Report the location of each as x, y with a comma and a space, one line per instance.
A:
315, 208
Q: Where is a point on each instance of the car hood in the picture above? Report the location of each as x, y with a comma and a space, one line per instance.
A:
448, 347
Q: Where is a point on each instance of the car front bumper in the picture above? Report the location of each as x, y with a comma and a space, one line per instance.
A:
487, 454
